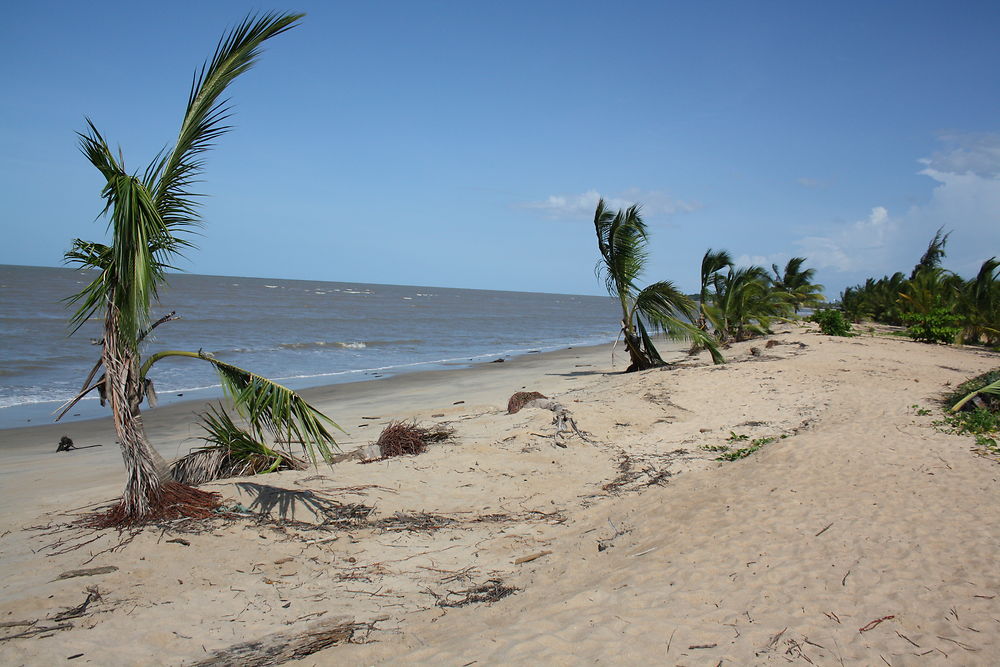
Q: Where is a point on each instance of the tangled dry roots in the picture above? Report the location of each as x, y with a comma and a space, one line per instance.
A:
401, 438
520, 399
173, 501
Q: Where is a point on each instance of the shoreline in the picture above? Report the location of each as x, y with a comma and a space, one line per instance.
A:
46, 409
173, 429
197, 404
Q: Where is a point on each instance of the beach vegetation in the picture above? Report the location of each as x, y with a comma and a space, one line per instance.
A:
934, 304
831, 322
743, 452
796, 283
661, 307
973, 408
230, 451
150, 215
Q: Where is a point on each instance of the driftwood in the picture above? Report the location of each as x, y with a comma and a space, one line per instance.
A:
281, 647
563, 420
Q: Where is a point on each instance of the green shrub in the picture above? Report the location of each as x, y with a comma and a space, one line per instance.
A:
938, 326
831, 322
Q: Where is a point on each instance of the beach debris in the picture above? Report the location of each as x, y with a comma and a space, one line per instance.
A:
400, 438
520, 399
93, 595
874, 623
825, 529
34, 630
755, 351
281, 647
497, 361
88, 572
65, 444
528, 559
563, 420
488, 592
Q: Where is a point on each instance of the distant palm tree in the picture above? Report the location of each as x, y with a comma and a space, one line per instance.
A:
621, 239
798, 284
931, 259
712, 264
744, 303
979, 304
147, 215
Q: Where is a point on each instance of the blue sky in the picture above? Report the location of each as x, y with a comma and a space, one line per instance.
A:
464, 144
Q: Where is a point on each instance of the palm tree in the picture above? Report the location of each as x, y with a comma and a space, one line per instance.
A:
979, 304
148, 214
712, 264
621, 239
931, 259
744, 303
798, 284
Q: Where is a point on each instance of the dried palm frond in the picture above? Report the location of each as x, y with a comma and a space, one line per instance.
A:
401, 438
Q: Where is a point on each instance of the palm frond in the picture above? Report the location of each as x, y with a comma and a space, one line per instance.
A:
992, 388
230, 452
621, 239
267, 406
172, 175
130, 270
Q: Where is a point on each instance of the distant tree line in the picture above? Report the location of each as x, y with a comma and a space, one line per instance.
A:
733, 303
936, 305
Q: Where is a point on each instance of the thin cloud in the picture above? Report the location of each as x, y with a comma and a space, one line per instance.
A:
655, 203
858, 245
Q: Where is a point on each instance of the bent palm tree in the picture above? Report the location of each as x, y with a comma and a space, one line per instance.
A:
146, 215
621, 239
798, 284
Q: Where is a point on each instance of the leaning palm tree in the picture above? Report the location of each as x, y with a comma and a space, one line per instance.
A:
744, 303
798, 284
148, 215
660, 307
712, 264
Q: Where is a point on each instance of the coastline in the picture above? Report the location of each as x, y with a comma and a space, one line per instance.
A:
28, 452
855, 531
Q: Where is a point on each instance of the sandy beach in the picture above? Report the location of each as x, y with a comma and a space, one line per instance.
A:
857, 533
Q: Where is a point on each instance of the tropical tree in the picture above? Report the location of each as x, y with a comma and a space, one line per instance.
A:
148, 214
979, 305
712, 264
743, 304
798, 284
931, 259
660, 307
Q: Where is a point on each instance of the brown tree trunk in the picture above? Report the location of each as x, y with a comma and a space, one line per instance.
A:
145, 469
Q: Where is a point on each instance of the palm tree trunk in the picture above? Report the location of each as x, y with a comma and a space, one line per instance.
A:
145, 469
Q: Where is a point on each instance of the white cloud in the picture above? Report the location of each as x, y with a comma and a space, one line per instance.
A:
853, 247
779, 258
966, 153
965, 200
655, 203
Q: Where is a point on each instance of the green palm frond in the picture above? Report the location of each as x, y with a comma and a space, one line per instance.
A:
621, 239
267, 406
992, 388
172, 175
230, 452
276, 409
89, 255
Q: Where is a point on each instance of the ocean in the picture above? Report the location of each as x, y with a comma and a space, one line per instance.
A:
300, 333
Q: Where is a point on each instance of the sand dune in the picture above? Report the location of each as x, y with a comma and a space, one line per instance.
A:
859, 535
